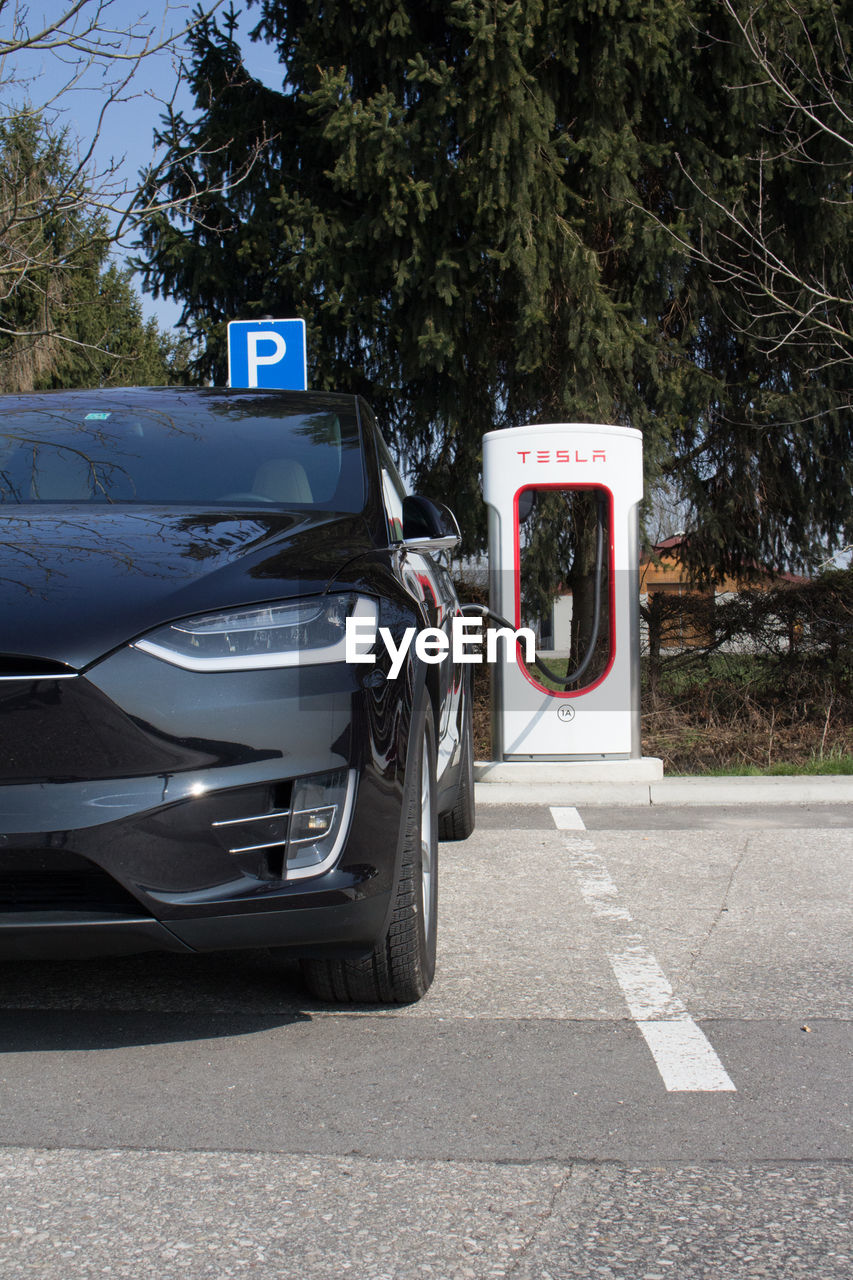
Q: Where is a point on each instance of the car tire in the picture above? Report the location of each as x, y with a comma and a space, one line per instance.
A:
458, 823
400, 969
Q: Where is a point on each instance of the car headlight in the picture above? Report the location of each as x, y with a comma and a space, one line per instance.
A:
294, 633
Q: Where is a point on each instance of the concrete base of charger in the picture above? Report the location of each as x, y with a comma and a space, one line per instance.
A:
641, 782
566, 772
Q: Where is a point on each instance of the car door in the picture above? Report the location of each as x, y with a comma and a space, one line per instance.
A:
428, 580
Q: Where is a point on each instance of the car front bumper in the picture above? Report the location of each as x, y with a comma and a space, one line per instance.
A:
120, 790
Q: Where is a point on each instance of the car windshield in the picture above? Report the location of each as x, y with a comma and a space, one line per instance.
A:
179, 449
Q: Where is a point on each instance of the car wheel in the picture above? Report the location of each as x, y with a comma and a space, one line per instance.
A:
401, 968
458, 823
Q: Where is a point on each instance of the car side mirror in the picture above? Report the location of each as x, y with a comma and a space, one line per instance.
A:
429, 525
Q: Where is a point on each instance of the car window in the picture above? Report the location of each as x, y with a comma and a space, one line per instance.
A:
162, 450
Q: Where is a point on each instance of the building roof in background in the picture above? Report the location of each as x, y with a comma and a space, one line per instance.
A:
669, 547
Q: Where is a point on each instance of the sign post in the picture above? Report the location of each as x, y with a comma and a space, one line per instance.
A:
267, 354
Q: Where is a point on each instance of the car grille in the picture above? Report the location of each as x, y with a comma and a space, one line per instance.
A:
44, 880
255, 820
258, 831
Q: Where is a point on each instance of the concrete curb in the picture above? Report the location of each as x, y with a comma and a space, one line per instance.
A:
672, 791
568, 772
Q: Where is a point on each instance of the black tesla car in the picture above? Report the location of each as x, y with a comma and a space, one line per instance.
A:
188, 759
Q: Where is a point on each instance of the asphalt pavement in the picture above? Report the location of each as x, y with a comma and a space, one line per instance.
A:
634, 1062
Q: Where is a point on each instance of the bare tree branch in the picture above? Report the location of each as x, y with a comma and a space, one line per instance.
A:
83, 28
105, 208
787, 296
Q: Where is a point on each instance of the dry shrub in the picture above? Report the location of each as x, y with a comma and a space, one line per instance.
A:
772, 686
753, 715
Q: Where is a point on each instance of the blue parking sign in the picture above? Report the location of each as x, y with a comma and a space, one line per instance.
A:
267, 354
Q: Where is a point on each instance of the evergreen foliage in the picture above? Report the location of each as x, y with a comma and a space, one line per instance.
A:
479, 208
68, 317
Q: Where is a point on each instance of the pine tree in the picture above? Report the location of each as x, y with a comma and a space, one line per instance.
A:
480, 208
68, 317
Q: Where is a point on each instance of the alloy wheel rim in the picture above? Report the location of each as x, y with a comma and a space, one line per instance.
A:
427, 869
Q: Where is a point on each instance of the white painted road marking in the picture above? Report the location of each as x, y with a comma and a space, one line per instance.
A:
596, 886
682, 1052
644, 986
567, 819
684, 1057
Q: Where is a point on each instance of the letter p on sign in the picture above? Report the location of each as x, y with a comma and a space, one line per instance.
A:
255, 338
268, 354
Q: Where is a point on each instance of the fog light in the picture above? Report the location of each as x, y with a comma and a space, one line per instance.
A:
319, 818
308, 824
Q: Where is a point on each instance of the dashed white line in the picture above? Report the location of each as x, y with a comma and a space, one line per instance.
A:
682, 1052
685, 1057
596, 886
567, 819
644, 986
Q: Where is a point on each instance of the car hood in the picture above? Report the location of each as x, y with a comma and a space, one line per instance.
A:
76, 583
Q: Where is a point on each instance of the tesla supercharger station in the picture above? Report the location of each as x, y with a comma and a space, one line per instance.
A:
563, 502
